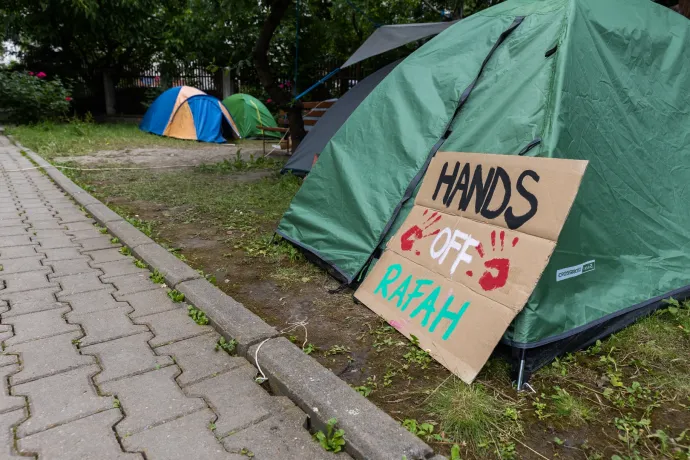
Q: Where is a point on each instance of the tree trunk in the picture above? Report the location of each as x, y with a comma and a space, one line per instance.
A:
277, 11
684, 8
109, 91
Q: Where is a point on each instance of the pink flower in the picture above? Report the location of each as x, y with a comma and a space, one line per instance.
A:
41, 75
31, 73
68, 98
268, 101
281, 86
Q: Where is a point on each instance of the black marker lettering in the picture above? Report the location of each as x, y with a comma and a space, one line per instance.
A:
448, 179
513, 221
503, 176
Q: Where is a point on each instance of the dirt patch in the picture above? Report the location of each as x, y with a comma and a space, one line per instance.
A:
162, 156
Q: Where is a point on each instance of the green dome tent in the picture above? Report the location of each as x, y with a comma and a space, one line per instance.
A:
604, 81
248, 112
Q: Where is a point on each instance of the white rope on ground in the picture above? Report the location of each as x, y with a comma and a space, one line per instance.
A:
100, 169
292, 327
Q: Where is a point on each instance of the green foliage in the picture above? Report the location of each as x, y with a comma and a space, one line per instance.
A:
157, 277
424, 430
176, 296
197, 315
333, 440
125, 251
30, 99
309, 348
227, 346
140, 264
239, 165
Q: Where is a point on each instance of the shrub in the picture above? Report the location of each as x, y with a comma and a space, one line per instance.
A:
29, 98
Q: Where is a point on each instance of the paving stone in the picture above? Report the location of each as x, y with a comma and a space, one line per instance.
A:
41, 358
94, 244
107, 255
150, 399
15, 240
92, 301
126, 356
18, 252
118, 268
11, 222
79, 225
198, 358
34, 204
69, 217
87, 438
15, 230
105, 325
69, 267
171, 326
186, 438
60, 398
281, 436
6, 437
24, 264
39, 213
148, 302
62, 254
5, 332
47, 225
83, 282
129, 284
40, 234
9, 403
26, 281
7, 359
92, 232
237, 399
13, 214
56, 242
34, 326
31, 301
128, 234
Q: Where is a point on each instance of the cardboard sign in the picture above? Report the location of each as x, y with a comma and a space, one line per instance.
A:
471, 251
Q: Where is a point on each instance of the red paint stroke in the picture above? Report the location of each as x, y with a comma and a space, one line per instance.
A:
469, 273
417, 253
415, 233
480, 250
490, 281
425, 211
503, 238
515, 241
493, 240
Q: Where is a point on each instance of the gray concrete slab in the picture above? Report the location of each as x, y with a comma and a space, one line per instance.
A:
40, 325
60, 398
105, 325
90, 437
171, 326
9, 403
92, 301
7, 420
151, 399
149, 302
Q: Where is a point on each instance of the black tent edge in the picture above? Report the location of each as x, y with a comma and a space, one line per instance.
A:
533, 356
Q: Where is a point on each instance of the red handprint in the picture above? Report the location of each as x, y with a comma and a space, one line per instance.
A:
415, 233
490, 281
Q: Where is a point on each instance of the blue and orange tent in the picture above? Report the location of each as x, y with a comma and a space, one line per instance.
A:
184, 112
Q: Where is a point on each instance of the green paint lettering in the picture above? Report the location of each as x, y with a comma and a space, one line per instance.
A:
401, 291
416, 293
453, 317
428, 305
386, 280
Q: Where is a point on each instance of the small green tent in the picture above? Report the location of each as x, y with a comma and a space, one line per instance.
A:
604, 81
248, 112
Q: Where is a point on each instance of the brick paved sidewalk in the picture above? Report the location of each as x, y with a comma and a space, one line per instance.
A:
98, 362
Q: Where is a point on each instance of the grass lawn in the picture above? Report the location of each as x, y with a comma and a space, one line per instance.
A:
627, 397
52, 140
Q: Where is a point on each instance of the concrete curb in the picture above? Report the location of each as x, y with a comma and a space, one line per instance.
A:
371, 434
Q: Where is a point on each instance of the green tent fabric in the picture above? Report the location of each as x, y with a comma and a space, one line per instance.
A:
248, 113
604, 81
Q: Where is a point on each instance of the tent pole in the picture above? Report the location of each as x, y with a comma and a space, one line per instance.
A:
305, 92
521, 372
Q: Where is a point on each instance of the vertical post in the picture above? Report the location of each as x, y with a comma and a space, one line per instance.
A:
109, 91
294, 83
228, 89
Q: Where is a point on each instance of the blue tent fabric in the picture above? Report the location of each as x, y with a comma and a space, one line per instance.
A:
207, 114
155, 121
207, 118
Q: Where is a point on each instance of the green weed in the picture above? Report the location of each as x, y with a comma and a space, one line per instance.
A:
125, 251
334, 439
140, 264
157, 277
227, 346
176, 296
336, 350
197, 315
115, 240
